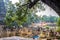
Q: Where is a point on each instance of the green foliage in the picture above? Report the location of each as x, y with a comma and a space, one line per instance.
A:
47, 27
58, 22
51, 19
58, 29
32, 18
18, 13
19, 16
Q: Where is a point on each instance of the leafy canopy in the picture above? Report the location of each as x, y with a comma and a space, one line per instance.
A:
18, 12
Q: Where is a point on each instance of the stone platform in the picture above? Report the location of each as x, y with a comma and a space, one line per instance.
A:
15, 38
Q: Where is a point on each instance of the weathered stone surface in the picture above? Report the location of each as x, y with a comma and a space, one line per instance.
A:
55, 4
15, 38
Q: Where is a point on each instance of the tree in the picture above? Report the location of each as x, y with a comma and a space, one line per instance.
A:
58, 22
18, 16
18, 13
9, 15
33, 18
52, 19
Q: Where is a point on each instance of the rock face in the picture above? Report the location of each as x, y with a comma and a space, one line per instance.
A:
55, 4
